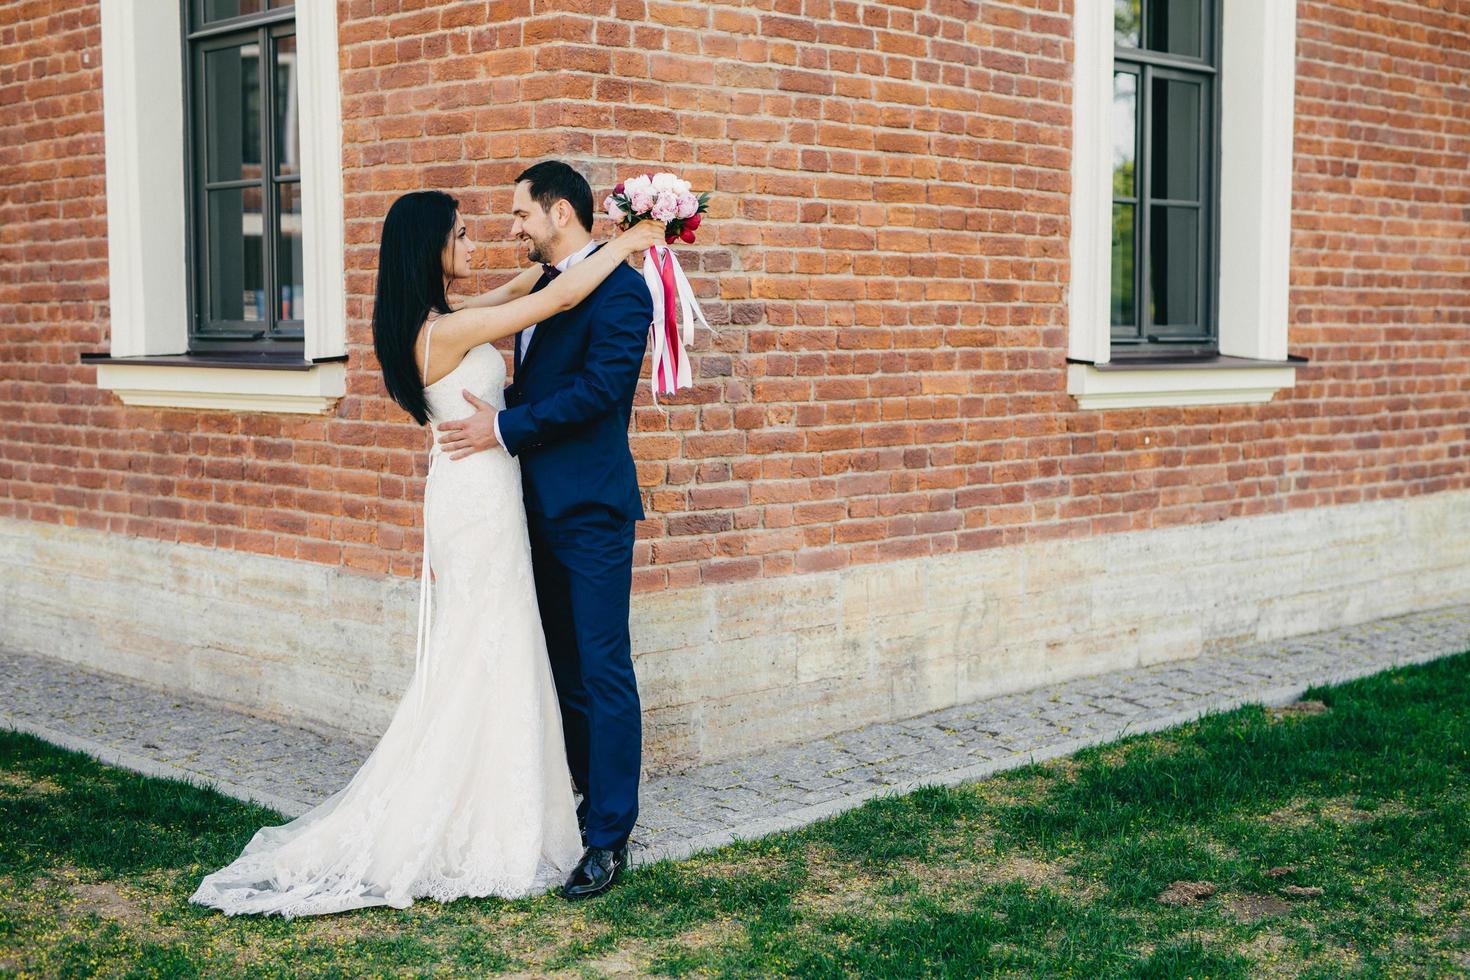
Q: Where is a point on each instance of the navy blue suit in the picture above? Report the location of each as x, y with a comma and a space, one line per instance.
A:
566, 419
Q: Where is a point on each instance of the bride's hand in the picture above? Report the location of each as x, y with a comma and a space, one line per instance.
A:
642, 236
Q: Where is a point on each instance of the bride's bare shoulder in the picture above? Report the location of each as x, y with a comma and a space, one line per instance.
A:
443, 347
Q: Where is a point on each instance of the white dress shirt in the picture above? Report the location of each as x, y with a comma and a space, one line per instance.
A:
524, 337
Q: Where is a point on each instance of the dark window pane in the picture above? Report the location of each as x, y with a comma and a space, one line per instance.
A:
288, 159
224, 9
1173, 265
236, 272
1125, 121
1174, 26
288, 251
232, 112
1125, 22
1174, 162
1125, 309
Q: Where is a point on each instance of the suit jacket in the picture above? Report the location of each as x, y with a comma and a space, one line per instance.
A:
567, 411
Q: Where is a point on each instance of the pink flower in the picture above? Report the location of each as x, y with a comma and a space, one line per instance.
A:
615, 214
666, 207
641, 200
688, 205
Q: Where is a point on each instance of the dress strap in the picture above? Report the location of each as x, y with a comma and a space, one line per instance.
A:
428, 338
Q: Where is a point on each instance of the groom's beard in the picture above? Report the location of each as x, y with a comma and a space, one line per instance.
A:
540, 250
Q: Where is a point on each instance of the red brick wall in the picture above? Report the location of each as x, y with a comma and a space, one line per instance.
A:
886, 263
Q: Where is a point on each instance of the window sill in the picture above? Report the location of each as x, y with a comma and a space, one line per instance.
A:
255, 383
1218, 381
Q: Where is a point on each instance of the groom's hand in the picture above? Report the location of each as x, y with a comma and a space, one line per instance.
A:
472, 435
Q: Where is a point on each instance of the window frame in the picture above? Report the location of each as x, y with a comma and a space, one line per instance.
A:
145, 360
199, 38
1257, 164
1146, 65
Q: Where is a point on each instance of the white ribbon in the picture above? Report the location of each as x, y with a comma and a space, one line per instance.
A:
671, 371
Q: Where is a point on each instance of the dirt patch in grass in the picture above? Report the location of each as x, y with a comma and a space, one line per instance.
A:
958, 877
833, 886
1297, 709
615, 964
1032, 871
1339, 810
1272, 955
745, 865
19, 783
707, 934
108, 901
72, 893
547, 936
636, 957
1186, 893
1294, 814
1007, 790
1250, 907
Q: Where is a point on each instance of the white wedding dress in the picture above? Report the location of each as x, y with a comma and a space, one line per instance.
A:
468, 793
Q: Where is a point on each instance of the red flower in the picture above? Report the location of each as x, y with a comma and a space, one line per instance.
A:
687, 235
692, 222
618, 189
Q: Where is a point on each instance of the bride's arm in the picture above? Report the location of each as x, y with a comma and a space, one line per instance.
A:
469, 327
505, 292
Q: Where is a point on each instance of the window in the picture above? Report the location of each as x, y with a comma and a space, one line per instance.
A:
244, 167
1181, 202
278, 229
1163, 178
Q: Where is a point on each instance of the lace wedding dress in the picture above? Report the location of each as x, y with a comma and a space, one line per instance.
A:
467, 792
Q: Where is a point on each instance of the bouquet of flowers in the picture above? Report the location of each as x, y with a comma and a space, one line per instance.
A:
664, 197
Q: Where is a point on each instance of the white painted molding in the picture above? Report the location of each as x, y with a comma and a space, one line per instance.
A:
142, 65
1257, 107
311, 392
1175, 386
1089, 293
1258, 84
143, 126
323, 269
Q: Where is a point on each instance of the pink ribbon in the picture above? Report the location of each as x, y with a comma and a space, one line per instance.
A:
666, 374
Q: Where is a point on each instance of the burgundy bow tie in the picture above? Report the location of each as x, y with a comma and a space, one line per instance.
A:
550, 271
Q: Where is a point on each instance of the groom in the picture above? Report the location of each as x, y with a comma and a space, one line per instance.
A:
566, 418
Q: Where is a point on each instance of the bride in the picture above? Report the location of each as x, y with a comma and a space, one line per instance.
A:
467, 792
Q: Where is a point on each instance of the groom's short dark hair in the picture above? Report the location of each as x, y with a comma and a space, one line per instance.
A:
552, 181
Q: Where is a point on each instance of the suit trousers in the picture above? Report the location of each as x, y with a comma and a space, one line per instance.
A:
583, 565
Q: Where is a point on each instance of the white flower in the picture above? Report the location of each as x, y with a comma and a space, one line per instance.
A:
688, 205
637, 185
670, 182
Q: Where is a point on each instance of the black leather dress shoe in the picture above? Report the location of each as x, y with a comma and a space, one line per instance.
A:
596, 872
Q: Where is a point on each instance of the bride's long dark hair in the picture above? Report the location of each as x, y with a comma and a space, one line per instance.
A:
410, 284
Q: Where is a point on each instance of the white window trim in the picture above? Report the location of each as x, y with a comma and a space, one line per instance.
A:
143, 126
1257, 96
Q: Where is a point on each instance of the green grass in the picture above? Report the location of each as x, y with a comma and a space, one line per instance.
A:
1050, 870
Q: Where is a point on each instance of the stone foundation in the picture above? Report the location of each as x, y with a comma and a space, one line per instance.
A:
726, 670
